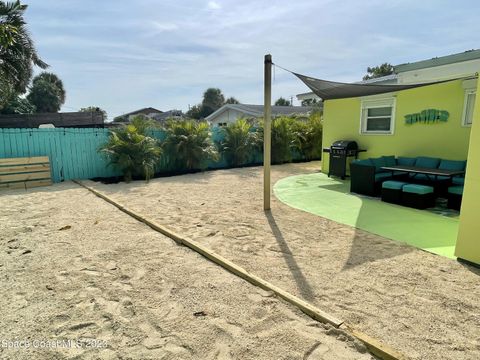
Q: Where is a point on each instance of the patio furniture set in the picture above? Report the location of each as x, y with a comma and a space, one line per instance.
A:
414, 182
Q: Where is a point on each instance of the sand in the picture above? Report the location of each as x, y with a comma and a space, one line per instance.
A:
422, 304
74, 267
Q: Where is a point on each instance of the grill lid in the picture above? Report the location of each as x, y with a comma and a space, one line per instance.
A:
345, 144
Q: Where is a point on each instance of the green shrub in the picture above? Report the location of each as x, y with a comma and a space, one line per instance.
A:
308, 138
132, 151
290, 134
239, 143
188, 145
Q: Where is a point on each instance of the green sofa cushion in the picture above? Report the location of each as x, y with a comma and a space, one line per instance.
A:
453, 165
417, 189
378, 163
427, 162
382, 176
458, 180
406, 161
389, 160
394, 185
458, 190
365, 162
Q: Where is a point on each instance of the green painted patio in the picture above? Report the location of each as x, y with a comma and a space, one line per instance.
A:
331, 198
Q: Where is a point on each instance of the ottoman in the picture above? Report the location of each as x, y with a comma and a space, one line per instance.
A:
454, 197
418, 196
392, 191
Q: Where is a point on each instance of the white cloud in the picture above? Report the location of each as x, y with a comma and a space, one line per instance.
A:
213, 5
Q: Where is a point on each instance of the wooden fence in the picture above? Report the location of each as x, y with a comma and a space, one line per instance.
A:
72, 152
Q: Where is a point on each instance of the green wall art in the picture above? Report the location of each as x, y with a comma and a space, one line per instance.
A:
428, 116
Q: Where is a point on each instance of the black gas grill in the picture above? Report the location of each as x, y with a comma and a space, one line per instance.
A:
340, 151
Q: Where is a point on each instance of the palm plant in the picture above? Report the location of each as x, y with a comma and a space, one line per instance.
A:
308, 137
283, 139
132, 151
239, 142
188, 145
17, 50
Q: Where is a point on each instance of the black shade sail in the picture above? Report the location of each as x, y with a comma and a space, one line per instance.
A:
328, 90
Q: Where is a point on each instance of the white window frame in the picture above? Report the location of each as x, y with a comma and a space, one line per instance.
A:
377, 103
465, 101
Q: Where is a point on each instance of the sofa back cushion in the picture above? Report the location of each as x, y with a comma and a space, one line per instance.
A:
453, 165
364, 162
378, 163
389, 160
406, 161
427, 162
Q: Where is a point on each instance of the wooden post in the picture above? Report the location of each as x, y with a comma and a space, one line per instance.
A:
267, 133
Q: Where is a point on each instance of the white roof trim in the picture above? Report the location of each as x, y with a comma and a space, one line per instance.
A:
231, 107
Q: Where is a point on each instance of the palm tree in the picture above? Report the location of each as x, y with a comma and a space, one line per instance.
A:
17, 50
132, 151
239, 142
188, 145
47, 93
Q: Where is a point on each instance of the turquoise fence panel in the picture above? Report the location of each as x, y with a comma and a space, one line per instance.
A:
73, 153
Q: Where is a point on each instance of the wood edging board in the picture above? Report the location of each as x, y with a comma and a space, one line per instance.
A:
375, 346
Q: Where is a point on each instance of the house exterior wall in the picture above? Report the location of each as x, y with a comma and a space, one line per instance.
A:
448, 71
228, 116
468, 241
448, 140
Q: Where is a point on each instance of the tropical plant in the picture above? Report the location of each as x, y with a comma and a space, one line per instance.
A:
283, 139
47, 93
188, 145
17, 51
308, 137
131, 150
18, 105
239, 142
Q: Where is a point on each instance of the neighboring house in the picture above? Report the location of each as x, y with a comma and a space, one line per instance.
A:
436, 121
59, 120
170, 114
230, 113
148, 111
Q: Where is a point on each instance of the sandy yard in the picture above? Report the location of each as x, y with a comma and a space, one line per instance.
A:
73, 266
421, 304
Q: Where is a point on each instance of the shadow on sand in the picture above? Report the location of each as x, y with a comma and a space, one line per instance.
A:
300, 279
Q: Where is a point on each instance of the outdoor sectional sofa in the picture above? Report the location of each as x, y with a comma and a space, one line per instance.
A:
367, 175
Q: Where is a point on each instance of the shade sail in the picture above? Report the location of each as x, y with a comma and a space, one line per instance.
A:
328, 90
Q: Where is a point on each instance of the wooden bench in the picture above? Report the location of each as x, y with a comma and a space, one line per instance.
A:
25, 173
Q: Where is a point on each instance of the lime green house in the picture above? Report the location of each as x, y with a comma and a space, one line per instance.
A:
438, 120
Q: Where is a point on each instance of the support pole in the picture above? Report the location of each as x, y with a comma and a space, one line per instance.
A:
267, 133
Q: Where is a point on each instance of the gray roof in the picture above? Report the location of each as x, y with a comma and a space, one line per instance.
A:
257, 110
437, 61
147, 110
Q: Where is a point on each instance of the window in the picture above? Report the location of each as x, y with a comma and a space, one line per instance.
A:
468, 106
378, 116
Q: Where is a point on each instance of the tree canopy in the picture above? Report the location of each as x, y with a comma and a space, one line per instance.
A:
17, 52
213, 99
378, 71
232, 100
47, 93
94, 109
282, 102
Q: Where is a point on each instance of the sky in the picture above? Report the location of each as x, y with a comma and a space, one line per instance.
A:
124, 55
